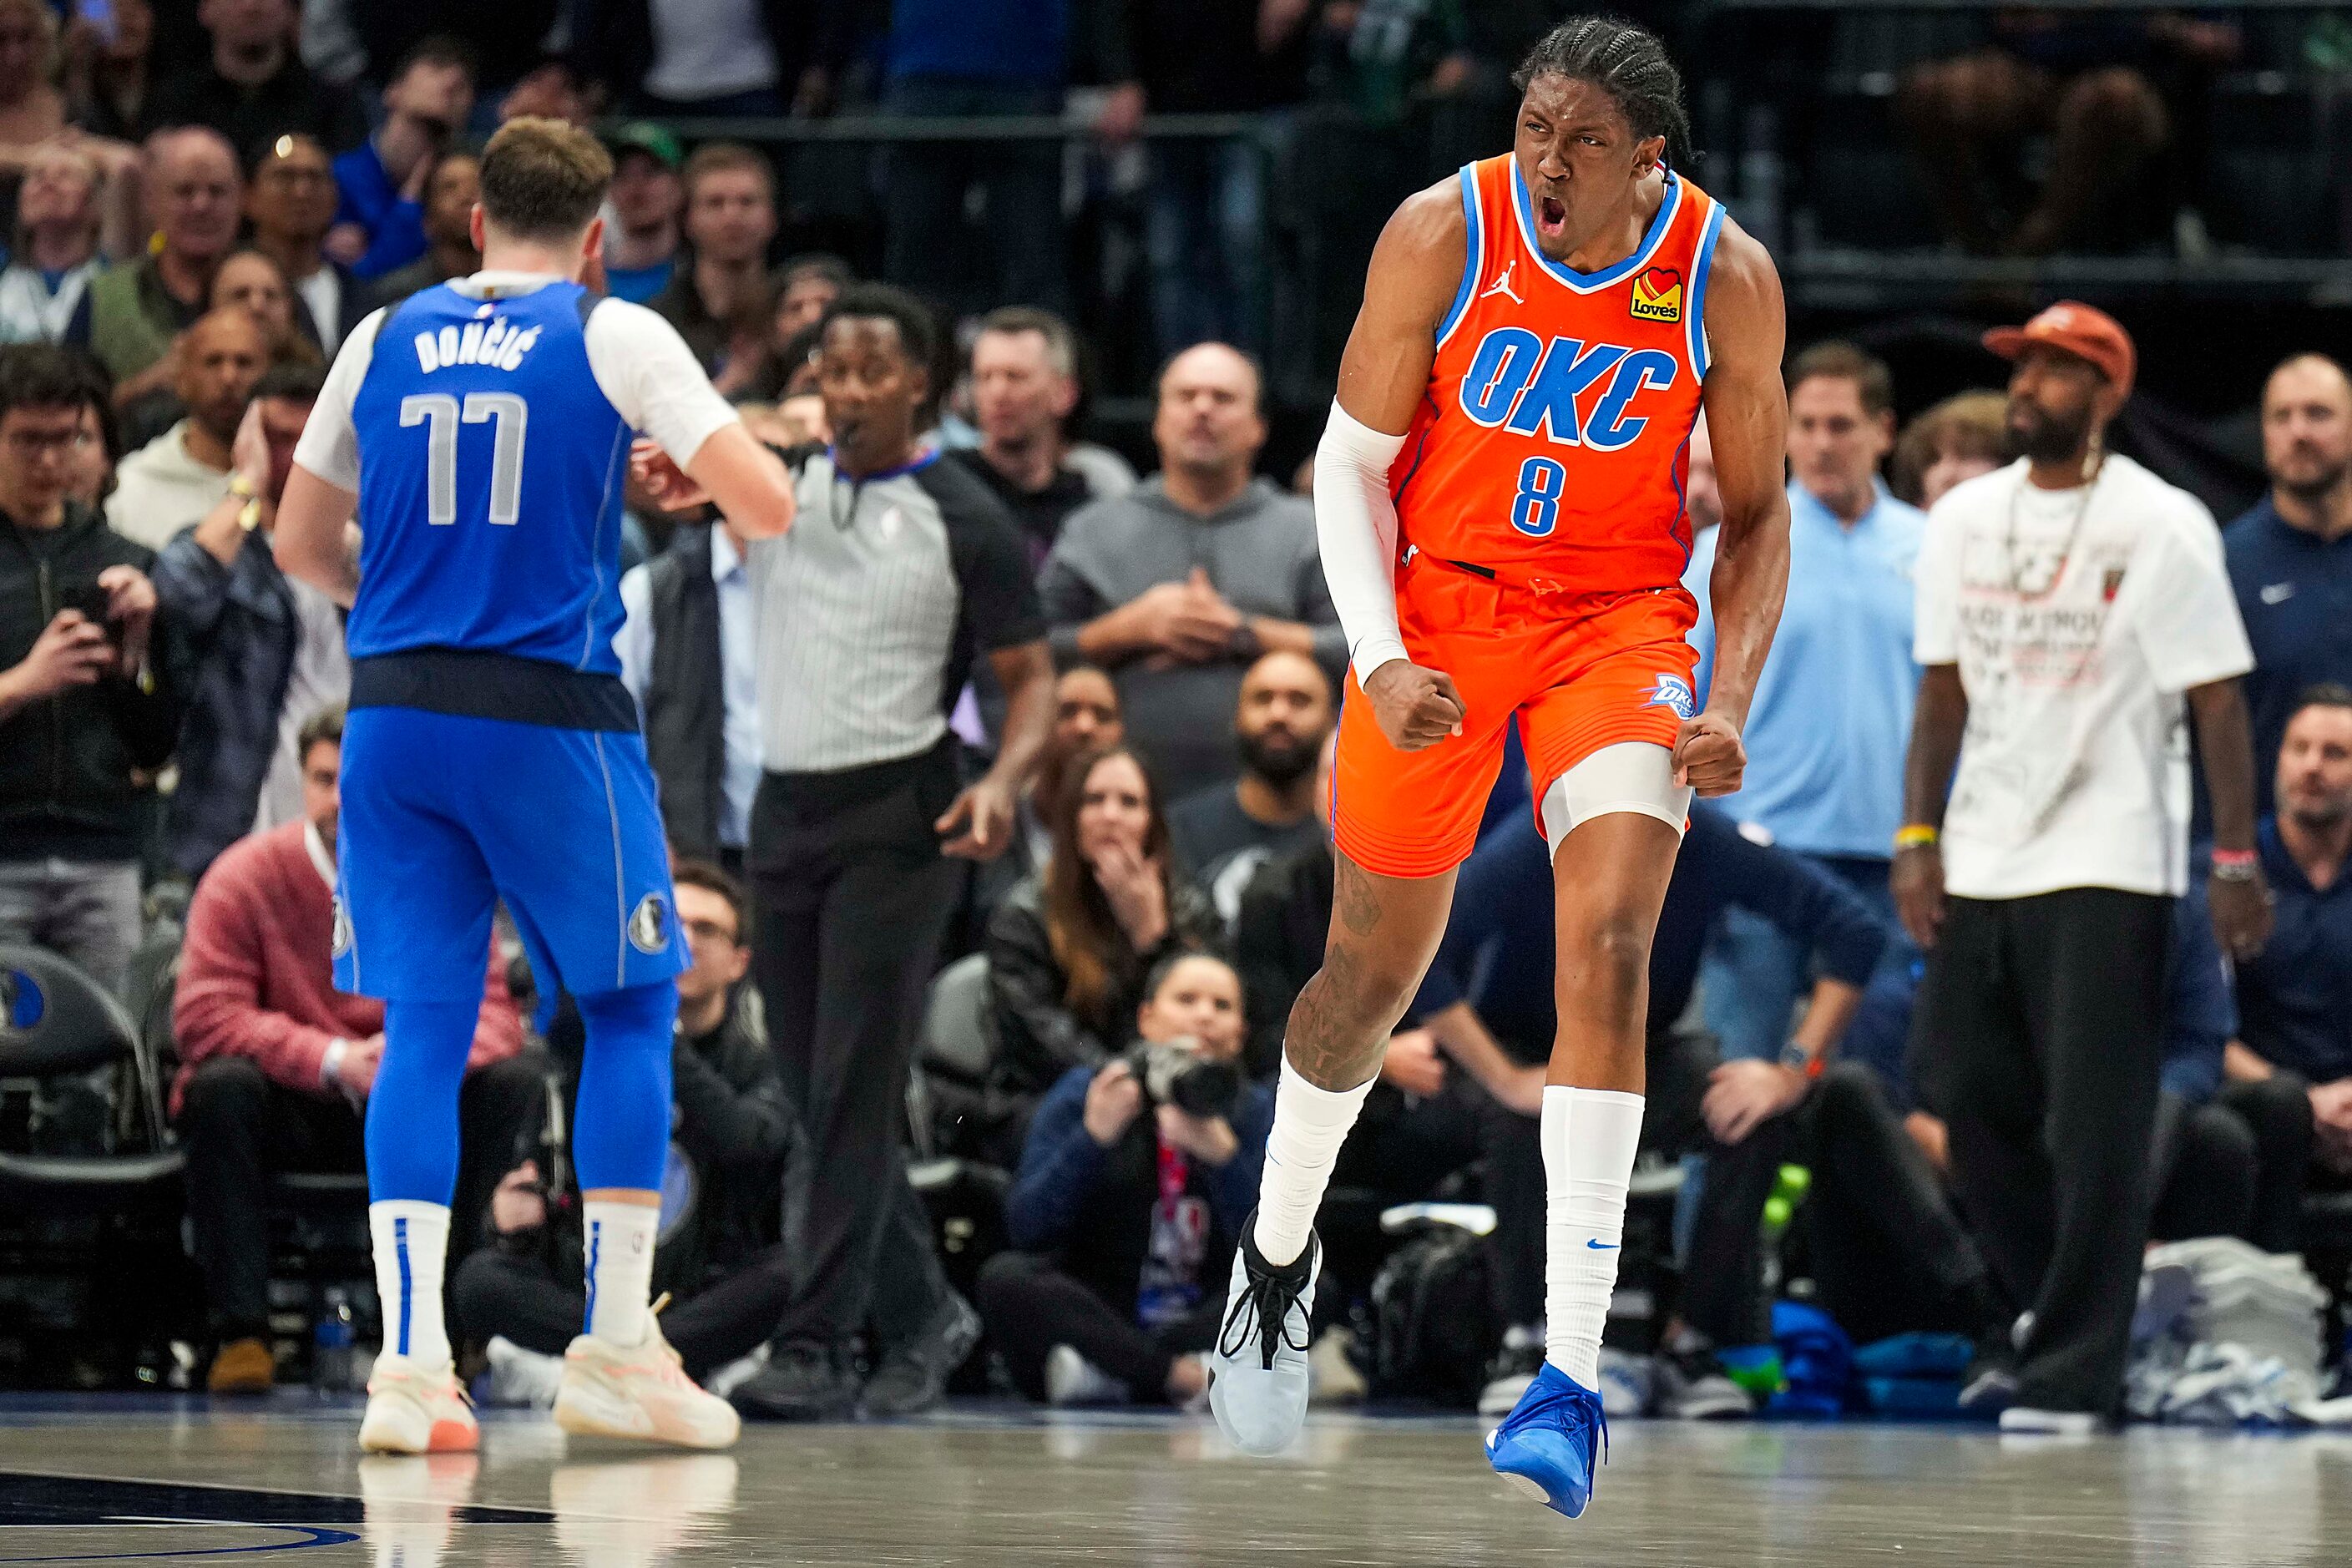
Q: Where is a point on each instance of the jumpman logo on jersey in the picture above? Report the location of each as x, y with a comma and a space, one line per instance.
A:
1502, 285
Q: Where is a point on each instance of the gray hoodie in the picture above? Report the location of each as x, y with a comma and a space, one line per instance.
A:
1260, 554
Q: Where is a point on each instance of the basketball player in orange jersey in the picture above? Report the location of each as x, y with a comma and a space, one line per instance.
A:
1499, 496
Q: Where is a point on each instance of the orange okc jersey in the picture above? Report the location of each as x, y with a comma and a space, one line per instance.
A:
1553, 443
1539, 501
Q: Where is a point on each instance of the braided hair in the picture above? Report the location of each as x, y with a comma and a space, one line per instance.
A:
1626, 62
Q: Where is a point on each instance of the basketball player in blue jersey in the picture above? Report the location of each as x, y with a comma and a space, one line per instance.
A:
482, 430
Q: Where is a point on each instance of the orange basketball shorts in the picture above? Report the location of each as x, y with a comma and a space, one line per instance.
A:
1580, 672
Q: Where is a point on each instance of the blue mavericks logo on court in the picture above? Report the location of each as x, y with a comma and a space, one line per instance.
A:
1673, 692
649, 924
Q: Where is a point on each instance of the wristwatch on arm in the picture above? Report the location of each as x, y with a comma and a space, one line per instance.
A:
1803, 1062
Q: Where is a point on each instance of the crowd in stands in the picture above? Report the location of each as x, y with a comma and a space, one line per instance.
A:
1112, 702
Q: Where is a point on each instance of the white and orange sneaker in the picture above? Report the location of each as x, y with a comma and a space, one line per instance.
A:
644, 1393
413, 1409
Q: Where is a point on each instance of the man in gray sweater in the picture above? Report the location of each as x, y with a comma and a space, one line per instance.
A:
1180, 585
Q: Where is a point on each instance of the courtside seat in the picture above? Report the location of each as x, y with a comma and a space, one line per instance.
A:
945, 1098
56, 1021
946, 1091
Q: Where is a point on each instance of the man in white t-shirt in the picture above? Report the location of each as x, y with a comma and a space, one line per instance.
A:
2072, 609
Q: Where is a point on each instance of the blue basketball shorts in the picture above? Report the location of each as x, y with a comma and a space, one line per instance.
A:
444, 815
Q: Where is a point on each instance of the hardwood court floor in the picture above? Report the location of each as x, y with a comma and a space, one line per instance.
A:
111, 1479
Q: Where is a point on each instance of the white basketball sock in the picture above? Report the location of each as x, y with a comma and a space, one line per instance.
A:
1310, 1125
411, 1242
620, 1238
1589, 1137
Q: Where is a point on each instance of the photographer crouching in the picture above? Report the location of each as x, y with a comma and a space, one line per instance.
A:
1134, 1181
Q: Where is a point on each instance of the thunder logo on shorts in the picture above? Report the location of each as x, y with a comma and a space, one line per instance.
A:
1674, 692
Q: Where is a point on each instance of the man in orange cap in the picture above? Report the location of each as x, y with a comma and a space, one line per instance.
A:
2071, 609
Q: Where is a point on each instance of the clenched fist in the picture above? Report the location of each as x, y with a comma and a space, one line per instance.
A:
1414, 707
1708, 756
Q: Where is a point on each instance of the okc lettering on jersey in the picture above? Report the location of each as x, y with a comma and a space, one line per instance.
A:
1515, 382
491, 342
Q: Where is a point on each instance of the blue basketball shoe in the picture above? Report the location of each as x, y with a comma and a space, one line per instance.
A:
1257, 1375
1546, 1447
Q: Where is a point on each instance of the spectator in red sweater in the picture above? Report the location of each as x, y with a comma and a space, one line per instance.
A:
276, 1063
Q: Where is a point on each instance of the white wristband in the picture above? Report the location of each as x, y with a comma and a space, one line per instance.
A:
330, 1065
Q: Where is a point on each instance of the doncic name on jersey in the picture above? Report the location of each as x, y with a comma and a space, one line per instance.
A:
495, 342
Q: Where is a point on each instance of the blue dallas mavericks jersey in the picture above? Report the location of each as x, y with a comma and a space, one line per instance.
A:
491, 753
490, 493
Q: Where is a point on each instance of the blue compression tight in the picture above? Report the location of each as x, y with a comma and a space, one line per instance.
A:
620, 1134
620, 1127
411, 1112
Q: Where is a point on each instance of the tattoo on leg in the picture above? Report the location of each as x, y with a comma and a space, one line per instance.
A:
1336, 1035
1327, 1040
1339, 1027
1354, 899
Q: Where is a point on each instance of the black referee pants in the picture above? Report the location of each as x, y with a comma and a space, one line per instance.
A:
2045, 1019
851, 899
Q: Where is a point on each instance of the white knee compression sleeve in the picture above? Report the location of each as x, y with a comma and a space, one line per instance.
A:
1631, 775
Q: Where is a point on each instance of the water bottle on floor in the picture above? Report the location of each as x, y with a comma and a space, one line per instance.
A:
1789, 1186
331, 1344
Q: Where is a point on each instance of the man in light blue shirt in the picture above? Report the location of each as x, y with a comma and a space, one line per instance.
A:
1832, 712
687, 655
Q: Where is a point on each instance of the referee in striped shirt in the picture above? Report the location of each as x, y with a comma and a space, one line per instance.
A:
898, 572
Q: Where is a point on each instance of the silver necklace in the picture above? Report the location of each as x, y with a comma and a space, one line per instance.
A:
2098, 466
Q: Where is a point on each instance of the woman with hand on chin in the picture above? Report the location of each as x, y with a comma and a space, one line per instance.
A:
1070, 948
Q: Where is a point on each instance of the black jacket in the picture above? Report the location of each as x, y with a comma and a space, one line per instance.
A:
737, 1129
1037, 1038
355, 297
685, 695
1091, 1208
731, 1120
65, 762
1278, 938
291, 102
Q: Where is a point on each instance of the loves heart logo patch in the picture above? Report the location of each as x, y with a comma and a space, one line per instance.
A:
1657, 296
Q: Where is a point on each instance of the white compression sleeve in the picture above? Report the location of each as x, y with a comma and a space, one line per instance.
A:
1311, 1122
1356, 523
1589, 1137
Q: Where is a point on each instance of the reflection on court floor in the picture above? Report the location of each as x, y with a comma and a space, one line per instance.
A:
131, 1478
